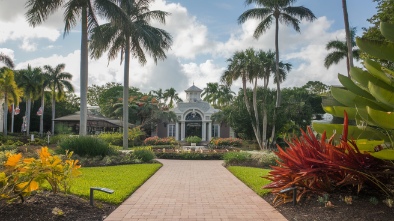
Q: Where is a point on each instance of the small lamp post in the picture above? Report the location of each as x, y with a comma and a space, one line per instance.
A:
48, 134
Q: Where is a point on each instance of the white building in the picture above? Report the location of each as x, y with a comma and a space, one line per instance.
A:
194, 119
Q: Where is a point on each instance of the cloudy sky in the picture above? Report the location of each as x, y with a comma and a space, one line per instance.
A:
205, 34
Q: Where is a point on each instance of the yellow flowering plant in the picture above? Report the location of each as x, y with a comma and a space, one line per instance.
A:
22, 176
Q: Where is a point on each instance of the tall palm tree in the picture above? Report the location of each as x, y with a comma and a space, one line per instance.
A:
129, 32
10, 91
340, 51
6, 60
171, 96
159, 95
225, 95
243, 65
278, 11
58, 82
210, 93
349, 37
29, 80
39, 10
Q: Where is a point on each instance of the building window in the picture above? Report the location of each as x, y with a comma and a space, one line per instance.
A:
171, 130
216, 130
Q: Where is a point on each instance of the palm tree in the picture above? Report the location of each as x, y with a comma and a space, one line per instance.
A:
58, 82
349, 37
243, 65
159, 95
280, 11
340, 51
210, 93
39, 10
171, 96
29, 80
129, 32
225, 95
6, 60
10, 92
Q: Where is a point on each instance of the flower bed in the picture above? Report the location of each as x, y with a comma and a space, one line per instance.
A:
225, 142
160, 141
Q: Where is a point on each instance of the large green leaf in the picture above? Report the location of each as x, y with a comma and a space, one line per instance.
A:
381, 118
379, 49
337, 111
368, 145
376, 70
353, 131
387, 30
350, 99
386, 154
361, 76
353, 87
388, 72
383, 93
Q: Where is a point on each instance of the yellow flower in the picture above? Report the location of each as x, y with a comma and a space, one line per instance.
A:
13, 160
44, 154
26, 189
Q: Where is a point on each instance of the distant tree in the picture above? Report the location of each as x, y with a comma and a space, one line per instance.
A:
95, 91
210, 93
58, 82
340, 51
159, 95
29, 80
171, 96
316, 87
9, 91
6, 60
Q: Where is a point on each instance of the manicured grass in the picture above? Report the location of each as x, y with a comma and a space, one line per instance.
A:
252, 178
124, 179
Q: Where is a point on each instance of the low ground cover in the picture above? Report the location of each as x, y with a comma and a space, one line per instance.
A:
123, 179
252, 178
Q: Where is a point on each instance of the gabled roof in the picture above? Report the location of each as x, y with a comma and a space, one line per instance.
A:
193, 89
77, 117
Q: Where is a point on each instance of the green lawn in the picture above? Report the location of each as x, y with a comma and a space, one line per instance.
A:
124, 179
251, 177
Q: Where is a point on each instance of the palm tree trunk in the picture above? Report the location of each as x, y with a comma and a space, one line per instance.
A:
126, 95
278, 98
246, 100
84, 73
5, 112
256, 115
53, 111
42, 114
12, 118
28, 108
348, 37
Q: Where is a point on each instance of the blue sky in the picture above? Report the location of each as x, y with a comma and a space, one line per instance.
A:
205, 34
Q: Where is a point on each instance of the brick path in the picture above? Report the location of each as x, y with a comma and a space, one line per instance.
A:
194, 190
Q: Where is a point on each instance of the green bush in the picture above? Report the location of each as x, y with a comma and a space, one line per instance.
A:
190, 156
234, 158
193, 139
87, 146
146, 155
112, 138
160, 141
56, 139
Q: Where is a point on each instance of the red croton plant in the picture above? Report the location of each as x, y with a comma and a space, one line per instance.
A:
318, 166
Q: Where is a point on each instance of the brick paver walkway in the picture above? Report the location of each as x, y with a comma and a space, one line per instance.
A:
194, 190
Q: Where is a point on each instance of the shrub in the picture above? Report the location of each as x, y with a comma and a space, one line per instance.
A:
226, 142
112, 138
193, 139
144, 154
56, 139
236, 158
160, 141
87, 146
317, 166
22, 176
190, 156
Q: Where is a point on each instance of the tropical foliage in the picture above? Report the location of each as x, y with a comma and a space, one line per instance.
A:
368, 96
21, 176
315, 165
150, 141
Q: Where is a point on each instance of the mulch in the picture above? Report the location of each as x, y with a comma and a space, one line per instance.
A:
59, 207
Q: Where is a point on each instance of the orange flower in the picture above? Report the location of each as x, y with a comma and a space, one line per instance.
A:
13, 160
44, 154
